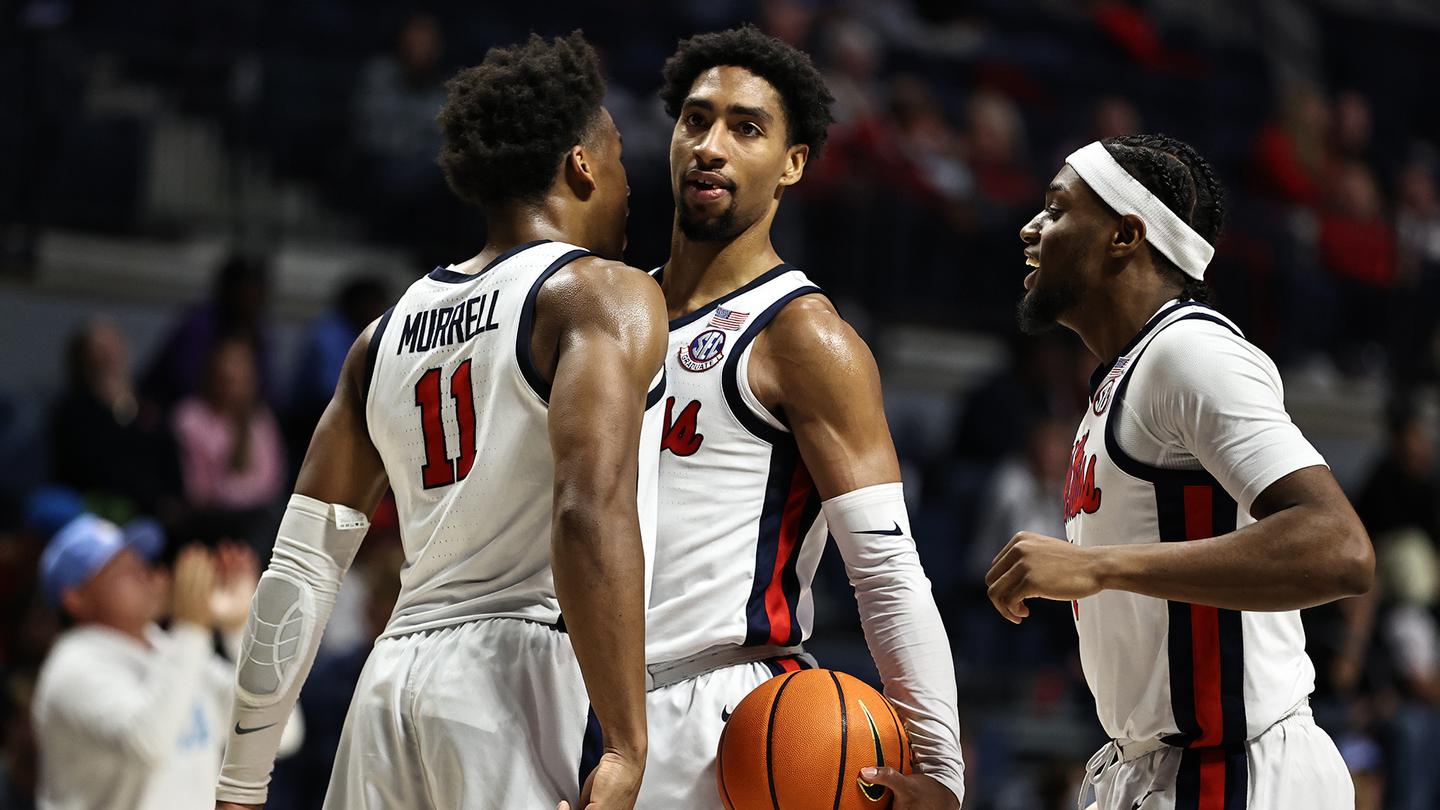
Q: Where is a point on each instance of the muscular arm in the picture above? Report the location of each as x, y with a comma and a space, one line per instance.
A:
1307, 548
812, 368
341, 464
609, 337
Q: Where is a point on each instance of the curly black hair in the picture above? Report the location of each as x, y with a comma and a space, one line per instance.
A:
508, 122
1185, 182
802, 90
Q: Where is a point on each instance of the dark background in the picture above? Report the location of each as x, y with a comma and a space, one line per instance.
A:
258, 177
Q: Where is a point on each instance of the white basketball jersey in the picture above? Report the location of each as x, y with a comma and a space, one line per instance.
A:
1192, 675
740, 529
459, 414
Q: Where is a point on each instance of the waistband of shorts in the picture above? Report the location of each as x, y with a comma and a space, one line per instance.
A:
668, 673
1130, 750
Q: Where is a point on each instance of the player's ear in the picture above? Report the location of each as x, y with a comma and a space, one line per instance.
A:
1129, 234
795, 158
580, 172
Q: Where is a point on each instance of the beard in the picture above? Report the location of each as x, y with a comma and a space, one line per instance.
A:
716, 229
1040, 309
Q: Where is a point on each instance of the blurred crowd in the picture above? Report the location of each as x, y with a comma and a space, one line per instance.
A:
952, 117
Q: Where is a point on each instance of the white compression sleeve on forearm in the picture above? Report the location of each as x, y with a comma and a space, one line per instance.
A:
314, 548
902, 625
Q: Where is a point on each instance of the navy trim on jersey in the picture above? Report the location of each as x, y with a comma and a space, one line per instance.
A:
691, 317
657, 393
787, 513
372, 352
1123, 460
444, 276
1098, 375
729, 381
1213, 779
592, 747
537, 382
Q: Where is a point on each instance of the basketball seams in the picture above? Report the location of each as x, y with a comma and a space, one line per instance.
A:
720, 768
770, 741
844, 741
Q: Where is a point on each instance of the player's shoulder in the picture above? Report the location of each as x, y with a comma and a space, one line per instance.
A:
809, 333
595, 281
1203, 349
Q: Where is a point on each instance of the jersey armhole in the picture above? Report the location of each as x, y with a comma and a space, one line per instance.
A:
1132, 466
743, 403
534, 380
372, 358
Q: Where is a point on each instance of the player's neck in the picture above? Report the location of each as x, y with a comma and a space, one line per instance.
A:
510, 227
699, 272
1109, 323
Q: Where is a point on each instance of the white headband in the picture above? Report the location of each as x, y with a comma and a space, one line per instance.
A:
1166, 231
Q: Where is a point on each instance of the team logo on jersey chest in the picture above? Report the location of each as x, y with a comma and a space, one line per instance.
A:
704, 351
1106, 392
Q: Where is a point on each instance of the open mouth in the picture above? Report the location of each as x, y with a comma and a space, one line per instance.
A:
1031, 261
706, 187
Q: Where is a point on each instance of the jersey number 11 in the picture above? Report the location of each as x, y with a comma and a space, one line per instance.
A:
440, 470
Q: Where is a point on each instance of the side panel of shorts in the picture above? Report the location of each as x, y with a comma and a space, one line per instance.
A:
1294, 764
488, 714
685, 723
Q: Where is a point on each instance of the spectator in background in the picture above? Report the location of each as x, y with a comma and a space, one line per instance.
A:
128, 715
1411, 638
1417, 237
1402, 490
230, 447
395, 105
359, 302
235, 310
1024, 493
1290, 159
997, 154
105, 442
1357, 249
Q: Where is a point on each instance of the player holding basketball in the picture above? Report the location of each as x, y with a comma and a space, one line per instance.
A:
775, 431
1200, 520
478, 399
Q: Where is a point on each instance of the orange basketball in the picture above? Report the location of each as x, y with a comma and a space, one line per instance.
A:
800, 739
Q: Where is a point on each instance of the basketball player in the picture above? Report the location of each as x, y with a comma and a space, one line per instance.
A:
502, 400
1199, 519
775, 434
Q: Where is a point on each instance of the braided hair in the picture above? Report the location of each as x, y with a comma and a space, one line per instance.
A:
1175, 173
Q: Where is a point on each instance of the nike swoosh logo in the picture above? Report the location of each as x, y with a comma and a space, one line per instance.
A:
873, 792
240, 730
895, 532
725, 714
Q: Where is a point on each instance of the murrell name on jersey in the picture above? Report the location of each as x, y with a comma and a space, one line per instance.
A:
445, 326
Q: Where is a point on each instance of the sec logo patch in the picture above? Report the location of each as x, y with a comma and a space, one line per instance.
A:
704, 351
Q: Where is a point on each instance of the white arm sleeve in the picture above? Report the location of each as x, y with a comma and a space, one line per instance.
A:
314, 548
1205, 397
902, 625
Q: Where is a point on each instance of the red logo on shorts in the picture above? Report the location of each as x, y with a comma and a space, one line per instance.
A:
682, 437
1081, 494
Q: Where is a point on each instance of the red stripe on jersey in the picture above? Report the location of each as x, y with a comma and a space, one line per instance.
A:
1212, 779
1204, 628
789, 664
776, 605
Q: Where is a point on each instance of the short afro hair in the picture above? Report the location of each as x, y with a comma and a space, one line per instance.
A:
802, 90
1176, 174
508, 122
